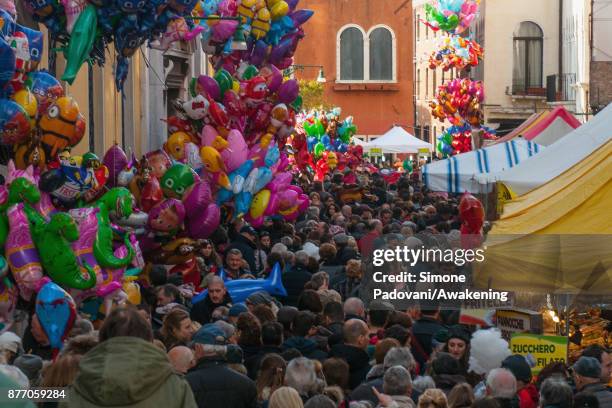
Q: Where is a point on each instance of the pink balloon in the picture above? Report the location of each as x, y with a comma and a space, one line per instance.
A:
197, 198
203, 224
209, 87
280, 182
237, 151
273, 77
208, 135
21, 254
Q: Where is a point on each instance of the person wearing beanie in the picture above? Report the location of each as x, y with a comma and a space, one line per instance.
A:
587, 373
446, 372
526, 391
235, 311
457, 344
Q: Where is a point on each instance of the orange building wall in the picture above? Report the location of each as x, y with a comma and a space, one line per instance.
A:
375, 107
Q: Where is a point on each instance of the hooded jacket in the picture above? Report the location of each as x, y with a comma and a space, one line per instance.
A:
128, 372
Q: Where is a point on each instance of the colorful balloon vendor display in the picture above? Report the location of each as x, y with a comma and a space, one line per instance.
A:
452, 16
85, 29
323, 142
456, 52
80, 231
458, 139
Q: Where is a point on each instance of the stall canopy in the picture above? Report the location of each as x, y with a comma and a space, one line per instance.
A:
557, 238
397, 140
556, 158
544, 128
457, 174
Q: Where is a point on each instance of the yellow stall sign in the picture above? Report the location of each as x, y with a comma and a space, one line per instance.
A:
376, 152
544, 349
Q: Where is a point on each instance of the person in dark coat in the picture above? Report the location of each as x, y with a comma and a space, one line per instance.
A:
333, 314
295, 278
246, 243
353, 350
213, 383
217, 296
423, 332
304, 328
272, 340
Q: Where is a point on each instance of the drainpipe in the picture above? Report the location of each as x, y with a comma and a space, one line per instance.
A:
560, 45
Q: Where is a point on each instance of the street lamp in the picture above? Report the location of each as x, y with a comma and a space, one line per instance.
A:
299, 67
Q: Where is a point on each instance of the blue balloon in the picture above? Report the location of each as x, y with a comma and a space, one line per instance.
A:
242, 203
7, 63
263, 177
7, 28
56, 312
240, 289
311, 141
35, 42
326, 140
342, 148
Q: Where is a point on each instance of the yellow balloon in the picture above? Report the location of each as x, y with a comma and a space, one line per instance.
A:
175, 146
132, 290
236, 86
28, 102
279, 10
261, 25
260, 203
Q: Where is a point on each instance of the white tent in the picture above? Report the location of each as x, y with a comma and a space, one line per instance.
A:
397, 140
457, 174
557, 158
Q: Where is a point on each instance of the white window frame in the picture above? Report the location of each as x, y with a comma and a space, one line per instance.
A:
366, 56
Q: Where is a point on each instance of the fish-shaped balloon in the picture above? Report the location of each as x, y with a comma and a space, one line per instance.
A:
56, 312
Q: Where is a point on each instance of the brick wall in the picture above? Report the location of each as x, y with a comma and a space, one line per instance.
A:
601, 84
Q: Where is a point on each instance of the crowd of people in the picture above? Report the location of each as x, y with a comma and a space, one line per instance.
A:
320, 346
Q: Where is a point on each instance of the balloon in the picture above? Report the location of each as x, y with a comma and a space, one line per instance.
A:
46, 89
261, 24
7, 63
319, 148
175, 146
151, 194
209, 87
167, 217
225, 81
115, 160
61, 126
213, 164
21, 254
241, 289
288, 91
196, 108
56, 312
237, 151
81, 42
15, 125
203, 223
273, 77
177, 179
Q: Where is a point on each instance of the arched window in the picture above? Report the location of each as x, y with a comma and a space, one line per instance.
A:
528, 56
351, 54
381, 54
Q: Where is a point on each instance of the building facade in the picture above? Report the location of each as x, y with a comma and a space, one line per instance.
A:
364, 47
426, 80
133, 118
600, 90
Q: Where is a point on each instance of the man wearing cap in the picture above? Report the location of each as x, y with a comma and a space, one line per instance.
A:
214, 384
587, 373
217, 296
526, 391
246, 243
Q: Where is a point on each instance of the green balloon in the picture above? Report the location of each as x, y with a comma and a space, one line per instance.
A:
296, 105
225, 80
319, 149
319, 127
81, 43
249, 72
118, 201
177, 180
193, 83
309, 128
